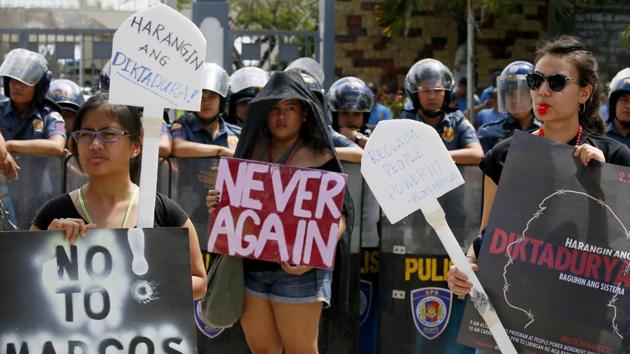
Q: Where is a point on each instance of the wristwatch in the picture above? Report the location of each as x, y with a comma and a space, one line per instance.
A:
358, 138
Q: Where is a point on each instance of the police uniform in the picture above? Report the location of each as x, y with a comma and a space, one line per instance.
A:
339, 140
612, 132
188, 127
491, 133
455, 130
41, 123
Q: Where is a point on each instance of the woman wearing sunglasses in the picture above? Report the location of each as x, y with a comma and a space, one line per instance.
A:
565, 97
107, 145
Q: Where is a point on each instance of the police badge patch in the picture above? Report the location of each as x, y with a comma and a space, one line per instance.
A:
208, 331
431, 310
232, 142
38, 125
365, 300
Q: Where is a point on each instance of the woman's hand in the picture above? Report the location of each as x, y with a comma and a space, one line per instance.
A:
212, 199
587, 152
295, 269
72, 228
458, 281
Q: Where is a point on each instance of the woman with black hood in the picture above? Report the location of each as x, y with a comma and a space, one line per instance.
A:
283, 302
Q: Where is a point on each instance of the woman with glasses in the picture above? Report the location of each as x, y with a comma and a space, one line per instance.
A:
565, 97
108, 145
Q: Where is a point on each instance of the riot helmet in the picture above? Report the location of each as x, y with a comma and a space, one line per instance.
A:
429, 74
307, 66
349, 94
66, 94
512, 91
619, 85
244, 86
29, 68
315, 86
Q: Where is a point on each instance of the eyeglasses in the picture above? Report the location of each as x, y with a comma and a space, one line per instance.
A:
106, 136
557, 82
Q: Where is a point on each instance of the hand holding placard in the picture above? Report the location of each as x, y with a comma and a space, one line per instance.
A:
407, 167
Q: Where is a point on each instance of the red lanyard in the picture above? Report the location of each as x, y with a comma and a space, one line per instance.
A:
294, 150
541, 132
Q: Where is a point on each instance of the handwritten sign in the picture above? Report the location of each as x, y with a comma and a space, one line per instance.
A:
157, 60
85, 298
406, 165
277, 213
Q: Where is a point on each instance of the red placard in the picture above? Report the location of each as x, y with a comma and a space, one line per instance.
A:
277, 213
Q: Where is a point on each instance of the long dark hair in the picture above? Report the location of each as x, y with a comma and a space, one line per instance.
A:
573, 50
127, 117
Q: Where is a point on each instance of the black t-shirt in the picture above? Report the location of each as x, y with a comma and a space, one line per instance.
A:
167, 212
253, 265
614, 153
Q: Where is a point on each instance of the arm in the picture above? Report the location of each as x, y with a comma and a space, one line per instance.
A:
199, 281
349, 154
165, 145
471, 154
53, 146
183, 148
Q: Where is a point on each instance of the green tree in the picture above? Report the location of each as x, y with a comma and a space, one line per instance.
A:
296, 15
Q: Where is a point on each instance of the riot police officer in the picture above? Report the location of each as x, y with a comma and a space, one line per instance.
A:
515, 100
350, 100
30, 123
429, 85
68, 96
618, 123
244, 86
205, 133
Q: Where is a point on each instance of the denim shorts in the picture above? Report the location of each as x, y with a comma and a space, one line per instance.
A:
282, 287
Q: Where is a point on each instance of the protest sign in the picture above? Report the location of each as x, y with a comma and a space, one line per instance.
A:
407, 167
556, 253
157, 63
84, 298
277, 213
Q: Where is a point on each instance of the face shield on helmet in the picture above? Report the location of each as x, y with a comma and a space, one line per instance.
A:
314, 86
350, 94
428, 75
619, 85
512, 91
216, 79
103, 80
307, 66
66, 94
25, 66
248, 77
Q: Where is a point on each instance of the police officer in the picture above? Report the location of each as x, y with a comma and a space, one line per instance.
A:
205, 133
350, 101
244, 86
29, 122
618, 123
429, 84
67, 95
515, 100
165, 134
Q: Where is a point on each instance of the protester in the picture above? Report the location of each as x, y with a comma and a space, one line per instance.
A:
205, 133
244, 86
513, 100
30, 123
350, 100
428, 85
283, 302
108, 146
618, 124
565, 93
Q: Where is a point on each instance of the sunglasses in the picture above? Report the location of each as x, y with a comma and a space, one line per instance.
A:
557, 82
106, 136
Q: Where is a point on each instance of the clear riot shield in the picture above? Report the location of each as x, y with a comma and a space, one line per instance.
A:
418, 314
40, 179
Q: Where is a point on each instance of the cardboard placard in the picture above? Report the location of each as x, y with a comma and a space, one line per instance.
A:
157, 60
277, 212
86, 298
406, 165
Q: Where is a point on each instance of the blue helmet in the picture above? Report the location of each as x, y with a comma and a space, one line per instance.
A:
29, 68
512, 90
619, 85
350, 94
66, 94
103, 80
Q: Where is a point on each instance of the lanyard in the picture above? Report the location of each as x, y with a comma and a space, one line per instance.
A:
288, 155
89, 218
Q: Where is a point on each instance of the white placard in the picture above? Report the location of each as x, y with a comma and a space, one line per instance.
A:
157, 60
406, 164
